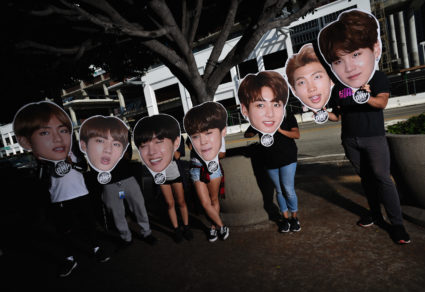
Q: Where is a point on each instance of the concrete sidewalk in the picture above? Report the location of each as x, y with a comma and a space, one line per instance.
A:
330, 253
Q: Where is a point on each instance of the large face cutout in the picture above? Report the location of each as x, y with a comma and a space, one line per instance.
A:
45, 129
206, 126
157, 138
263, 97
308, 79
103, 139
351, 46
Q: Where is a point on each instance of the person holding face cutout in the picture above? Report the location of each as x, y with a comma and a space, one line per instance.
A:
104, 141
263, 97
157, 138
352, 47
309, 81
266, 93
205, 125
45, 129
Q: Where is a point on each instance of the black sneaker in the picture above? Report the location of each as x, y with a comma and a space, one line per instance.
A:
400, 235
66, 268
150, 239
295, 225
187, 233
284, 225
178, 235
213, 235
368, 221
101, 255
224, 232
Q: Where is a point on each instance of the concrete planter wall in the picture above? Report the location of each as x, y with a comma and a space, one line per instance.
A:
408, 166
244, 203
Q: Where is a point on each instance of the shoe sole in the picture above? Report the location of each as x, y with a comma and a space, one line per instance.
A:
69, 272
296, 230
401, 242
226, 235
104, 260
212, 239
365, 225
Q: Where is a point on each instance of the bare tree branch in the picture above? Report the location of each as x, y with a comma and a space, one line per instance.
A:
221, 40
76, 50
50, 10
161, 9
195, 22
285, 21
108, 9
122, 27
185, 21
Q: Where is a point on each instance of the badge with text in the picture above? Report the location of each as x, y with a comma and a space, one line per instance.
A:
104, 177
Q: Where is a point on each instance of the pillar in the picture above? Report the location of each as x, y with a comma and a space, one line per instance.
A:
393, 37
150, 99
121, 100
185, 98
73, 117
105, 90
413, 39
235, 81
403, 43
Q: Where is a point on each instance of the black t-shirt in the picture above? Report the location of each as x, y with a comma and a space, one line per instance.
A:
360, 120
284, 150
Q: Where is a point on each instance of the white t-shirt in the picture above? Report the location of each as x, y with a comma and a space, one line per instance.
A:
69, 186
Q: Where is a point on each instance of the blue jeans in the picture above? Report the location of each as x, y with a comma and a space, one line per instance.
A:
284, 177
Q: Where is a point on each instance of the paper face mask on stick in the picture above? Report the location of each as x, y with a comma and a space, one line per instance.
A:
309, 81
104, 140
206, 126
263, 97
352, 47
45, 129
157, 138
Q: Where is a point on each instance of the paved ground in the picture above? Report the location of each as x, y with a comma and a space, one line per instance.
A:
329, 254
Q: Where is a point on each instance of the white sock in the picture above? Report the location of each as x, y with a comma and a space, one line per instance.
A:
96, 249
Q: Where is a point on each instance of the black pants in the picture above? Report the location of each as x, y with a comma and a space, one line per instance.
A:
75, 223
370, 157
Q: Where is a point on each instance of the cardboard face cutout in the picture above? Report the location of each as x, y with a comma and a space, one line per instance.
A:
352, 47
46, 130
309, 81
157, 138
263, 97
104, 140
205, 125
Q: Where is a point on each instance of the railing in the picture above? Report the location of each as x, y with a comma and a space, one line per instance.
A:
407, 86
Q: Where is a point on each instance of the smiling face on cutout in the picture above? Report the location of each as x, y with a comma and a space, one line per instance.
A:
265, 113
158, 153
312, 85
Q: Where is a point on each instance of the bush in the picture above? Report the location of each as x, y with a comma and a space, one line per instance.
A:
414, 125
